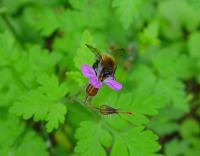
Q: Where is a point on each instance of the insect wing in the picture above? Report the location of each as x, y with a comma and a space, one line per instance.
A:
94, 50
110, 82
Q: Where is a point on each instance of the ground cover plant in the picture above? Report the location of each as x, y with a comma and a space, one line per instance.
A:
156, 44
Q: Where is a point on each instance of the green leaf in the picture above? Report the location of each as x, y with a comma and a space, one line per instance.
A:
88, 140
175, 148
138, 78
127, 10
150, 33
76, 77
10, 88
141, 103
195, 5
165, 122
55, 116
194, 147
140, 98
35, 18
145, 104
189, 129
193, 44
21, 141
175, 64
12, 5
83, 11
119, 148
105, 138
183, 147
31, 142
42, 47
34, 62
173, 91
179, 9
51, 87
83, 54
8, 50
25, 65
135, 141
11, 127
44, 103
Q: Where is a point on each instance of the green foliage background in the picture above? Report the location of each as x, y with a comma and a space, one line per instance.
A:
42, 46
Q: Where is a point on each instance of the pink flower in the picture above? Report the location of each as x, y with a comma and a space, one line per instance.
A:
89, 72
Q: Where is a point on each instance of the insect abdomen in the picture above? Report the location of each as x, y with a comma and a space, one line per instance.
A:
91, 91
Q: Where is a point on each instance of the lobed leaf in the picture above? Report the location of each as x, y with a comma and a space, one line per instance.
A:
127, 10
134, 141
43, 103
20, 142
83, 54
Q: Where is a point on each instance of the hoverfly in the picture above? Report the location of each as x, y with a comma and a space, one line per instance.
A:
102, 71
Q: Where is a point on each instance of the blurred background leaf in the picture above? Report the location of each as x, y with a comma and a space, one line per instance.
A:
156, 45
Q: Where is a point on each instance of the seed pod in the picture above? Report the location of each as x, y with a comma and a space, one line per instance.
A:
107, 110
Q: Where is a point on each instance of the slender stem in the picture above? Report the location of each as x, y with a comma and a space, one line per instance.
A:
86, 99
74, 99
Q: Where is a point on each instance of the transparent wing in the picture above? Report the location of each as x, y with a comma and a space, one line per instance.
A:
119, 54
94, 50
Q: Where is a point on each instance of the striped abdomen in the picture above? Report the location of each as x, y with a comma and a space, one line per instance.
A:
91, 91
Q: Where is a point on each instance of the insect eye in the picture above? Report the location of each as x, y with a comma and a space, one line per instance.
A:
106, 73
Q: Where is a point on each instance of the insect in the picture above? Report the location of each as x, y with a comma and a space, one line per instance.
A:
107, 110
102, 71
105, 65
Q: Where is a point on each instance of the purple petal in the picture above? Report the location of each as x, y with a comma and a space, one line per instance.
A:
87, 71
95, 82
110, 82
